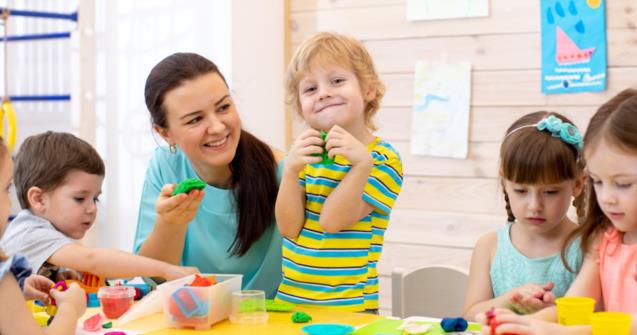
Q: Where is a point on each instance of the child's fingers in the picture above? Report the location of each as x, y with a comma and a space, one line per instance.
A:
335, 143
311, 141
309, 133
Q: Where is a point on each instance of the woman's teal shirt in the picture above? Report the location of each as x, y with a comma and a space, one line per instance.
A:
212, 231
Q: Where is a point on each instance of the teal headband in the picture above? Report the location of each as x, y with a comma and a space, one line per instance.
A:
564, 130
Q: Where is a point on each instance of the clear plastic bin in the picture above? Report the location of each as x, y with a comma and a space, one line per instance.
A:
198, 307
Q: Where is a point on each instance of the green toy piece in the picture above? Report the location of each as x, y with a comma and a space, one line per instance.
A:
107, 325
326, 160
282, 307
301, 317
189, 185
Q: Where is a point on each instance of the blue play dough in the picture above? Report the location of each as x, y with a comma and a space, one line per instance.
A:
454, 324
327, 329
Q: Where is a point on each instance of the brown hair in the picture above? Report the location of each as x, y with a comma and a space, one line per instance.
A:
531, 156
4, 153
615, 122
44, 161
333, 48
253, 167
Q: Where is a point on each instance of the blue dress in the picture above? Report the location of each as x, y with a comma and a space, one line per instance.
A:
511, 269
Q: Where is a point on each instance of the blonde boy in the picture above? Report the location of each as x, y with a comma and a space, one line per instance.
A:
333, 216
58, 180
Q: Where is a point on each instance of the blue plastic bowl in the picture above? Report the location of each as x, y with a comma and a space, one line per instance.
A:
327, 329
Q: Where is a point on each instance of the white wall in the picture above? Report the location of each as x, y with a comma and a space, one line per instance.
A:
132, 37
258, 65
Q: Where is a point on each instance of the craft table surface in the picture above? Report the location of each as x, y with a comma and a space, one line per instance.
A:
278, 323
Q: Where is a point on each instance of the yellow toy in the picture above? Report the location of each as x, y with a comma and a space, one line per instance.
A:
7, 110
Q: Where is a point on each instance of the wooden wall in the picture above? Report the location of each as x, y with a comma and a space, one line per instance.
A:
446, 204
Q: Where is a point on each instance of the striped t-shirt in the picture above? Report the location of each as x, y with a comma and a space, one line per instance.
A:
338, 270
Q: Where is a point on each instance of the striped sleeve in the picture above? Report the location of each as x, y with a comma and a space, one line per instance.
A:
302, 177
384, 181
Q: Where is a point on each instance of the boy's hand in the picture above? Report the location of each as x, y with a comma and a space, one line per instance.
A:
178, 209
37, 287
74, 297
340, 142
175, 272
531, 297
301, 151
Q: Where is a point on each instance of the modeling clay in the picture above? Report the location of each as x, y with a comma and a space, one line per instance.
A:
325, 157
454, 324
272, 306
116, 300
301, 317
94, 323
107, 325
200, 281
490, 314
414, 328
189, 185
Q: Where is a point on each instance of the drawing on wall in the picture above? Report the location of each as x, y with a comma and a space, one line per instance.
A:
447, 9
573, 46
440, 110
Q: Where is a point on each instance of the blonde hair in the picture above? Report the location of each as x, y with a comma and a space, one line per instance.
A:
332, 48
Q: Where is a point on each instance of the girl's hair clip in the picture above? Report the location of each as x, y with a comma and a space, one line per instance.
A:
567, 132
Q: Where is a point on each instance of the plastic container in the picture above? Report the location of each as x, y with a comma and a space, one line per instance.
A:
248, 308
198, 307
610, 323
115, 300
574, 310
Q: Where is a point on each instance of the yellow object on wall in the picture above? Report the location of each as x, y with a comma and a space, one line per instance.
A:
9, 138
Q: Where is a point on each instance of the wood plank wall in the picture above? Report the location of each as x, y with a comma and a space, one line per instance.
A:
446, 204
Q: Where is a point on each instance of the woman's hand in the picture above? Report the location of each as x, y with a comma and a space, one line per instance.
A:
178, 209
37, 287
531, 297
306, 149
340, 142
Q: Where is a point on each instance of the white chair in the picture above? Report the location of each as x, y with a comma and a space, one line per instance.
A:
434, 291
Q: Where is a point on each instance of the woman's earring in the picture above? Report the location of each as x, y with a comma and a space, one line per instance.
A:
173, 148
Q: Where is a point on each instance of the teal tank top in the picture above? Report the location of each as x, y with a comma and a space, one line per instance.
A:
511, 269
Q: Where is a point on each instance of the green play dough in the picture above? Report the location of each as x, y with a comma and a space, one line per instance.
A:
251, 305
301, 317
272, 306
189, 185
324, 156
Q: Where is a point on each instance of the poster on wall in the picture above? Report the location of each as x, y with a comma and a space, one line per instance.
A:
447, 9
440, 109
573, 46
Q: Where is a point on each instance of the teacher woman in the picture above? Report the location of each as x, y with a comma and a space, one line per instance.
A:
229, 226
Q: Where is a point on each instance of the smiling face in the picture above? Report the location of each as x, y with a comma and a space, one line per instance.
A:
202, 120
541, 208
615, 184
72, 206
331, 95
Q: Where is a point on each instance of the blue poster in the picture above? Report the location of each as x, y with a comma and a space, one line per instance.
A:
573, 46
